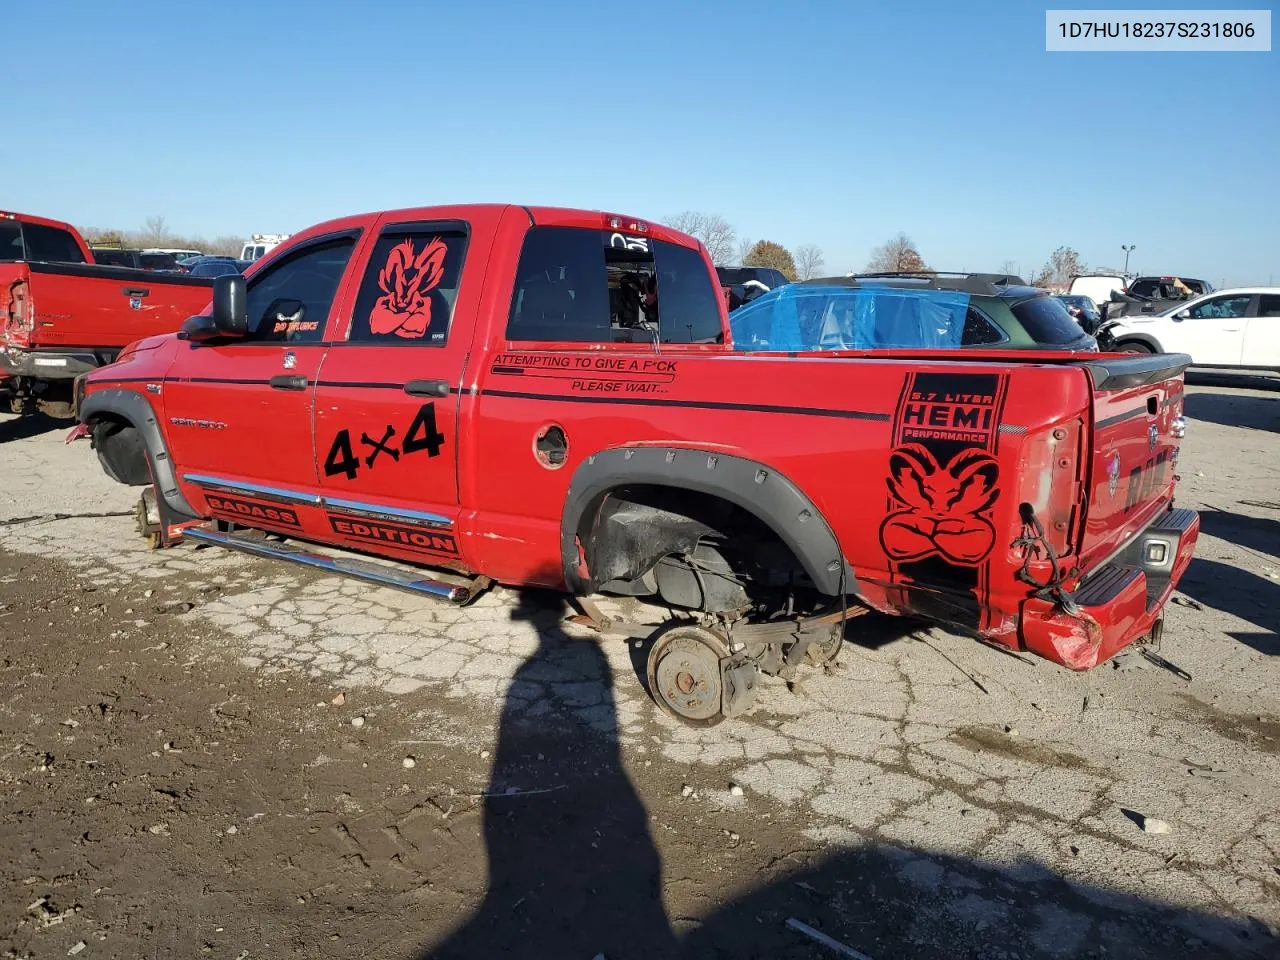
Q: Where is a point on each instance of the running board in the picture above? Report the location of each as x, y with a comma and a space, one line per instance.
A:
378, 574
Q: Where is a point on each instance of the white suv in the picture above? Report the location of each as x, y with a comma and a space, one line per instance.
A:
1226, 328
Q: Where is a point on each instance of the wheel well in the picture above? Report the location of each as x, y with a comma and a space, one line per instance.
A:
631, 528
1138, 338
121, 449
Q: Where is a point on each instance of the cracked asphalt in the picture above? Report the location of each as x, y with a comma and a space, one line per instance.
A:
945, 798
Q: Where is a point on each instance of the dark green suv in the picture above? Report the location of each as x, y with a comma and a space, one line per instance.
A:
908, 311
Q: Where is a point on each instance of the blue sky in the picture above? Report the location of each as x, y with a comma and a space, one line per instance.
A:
810, 122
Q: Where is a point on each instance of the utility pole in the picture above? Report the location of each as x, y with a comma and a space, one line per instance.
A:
1128, 249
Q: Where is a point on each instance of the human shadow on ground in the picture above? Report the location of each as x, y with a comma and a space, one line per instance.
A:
573, 870
1235, 409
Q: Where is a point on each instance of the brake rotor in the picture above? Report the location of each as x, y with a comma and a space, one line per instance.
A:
684, 674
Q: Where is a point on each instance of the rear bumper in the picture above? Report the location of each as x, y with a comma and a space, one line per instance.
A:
47, 364
1120, 602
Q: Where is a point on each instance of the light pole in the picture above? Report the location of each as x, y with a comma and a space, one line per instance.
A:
1128, 249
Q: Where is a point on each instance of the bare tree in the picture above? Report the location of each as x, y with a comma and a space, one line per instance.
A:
226, 246
1009, 268
154, 232
715, 232
1063, 264
744, 249
899, 255
809, 261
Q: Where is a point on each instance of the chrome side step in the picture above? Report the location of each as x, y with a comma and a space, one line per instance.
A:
369, 571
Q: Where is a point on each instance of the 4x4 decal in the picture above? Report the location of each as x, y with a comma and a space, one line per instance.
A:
406, 278
422, 434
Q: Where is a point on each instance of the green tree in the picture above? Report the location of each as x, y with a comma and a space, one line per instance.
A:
766, 253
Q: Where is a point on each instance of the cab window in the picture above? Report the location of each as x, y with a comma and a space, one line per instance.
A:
591, 286
410, 286
51, 244
290, 301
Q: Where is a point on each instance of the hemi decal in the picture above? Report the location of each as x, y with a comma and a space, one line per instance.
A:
252, 514
394, 534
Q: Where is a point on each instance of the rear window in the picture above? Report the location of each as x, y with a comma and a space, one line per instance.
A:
10, 240
112, 258
51, 244
1046, 321
157, 261
588, 286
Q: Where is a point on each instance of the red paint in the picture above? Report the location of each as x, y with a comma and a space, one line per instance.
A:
82, 312
918, 461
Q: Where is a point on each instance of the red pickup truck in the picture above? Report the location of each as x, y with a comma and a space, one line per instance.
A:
61, 314
549, 397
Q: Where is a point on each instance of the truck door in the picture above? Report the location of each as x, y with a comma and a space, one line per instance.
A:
1212, 331
386, 408
239, 412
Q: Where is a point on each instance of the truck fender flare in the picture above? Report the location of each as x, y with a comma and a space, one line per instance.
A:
761, 490
133, 407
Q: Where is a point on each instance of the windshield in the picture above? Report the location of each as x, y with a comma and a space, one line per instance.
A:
866, 317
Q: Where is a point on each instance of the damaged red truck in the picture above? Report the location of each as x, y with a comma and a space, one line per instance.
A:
61, 314
554, 398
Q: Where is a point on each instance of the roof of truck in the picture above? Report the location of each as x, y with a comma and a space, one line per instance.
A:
32, 218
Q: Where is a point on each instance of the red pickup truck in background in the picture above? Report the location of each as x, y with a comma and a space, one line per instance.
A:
548, 397
62, 315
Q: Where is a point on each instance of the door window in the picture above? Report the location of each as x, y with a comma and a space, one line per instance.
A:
1269, 305
410, 286
290, 301
591, 286
1221, 308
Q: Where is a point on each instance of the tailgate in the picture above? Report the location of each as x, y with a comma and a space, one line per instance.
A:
1137, 430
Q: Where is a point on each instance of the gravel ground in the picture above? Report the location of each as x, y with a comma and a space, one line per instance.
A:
204, 754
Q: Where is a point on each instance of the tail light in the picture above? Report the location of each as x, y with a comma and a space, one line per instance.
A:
628, 224
21, 318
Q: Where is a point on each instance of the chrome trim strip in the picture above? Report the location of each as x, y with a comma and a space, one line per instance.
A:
375, 512
431, 588
278, 494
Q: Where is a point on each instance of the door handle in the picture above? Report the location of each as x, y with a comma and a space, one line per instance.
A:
427, 388
286, 382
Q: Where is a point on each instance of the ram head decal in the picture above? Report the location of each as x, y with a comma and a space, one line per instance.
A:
940, 510
407, 279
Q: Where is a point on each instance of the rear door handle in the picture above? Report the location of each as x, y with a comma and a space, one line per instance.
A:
427, 388
286, 382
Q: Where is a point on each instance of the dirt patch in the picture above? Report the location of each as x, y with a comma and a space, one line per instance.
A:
986, 739
1257, 730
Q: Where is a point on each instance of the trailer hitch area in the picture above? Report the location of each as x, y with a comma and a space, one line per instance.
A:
78, 432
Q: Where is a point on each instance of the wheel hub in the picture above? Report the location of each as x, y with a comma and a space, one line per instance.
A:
684, 676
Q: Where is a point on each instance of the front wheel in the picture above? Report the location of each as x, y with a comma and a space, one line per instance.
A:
1133, 346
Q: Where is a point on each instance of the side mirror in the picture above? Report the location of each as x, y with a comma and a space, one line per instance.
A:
1182, 315
198, 329
230, 313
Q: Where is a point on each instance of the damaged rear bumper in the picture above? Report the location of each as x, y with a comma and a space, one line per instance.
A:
1118, 603
47, 364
